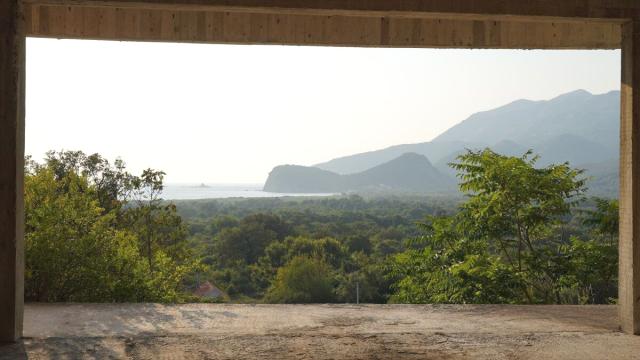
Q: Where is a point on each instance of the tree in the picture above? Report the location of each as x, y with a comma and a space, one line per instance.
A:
446, 265
591, 272
113, 184
302, 280
80, 242
248, 240
156, 224
73, 253
592, 265
513, 206
359, 243
604, 218
367, 281
504, 243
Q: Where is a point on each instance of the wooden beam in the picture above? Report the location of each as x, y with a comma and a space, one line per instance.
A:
113, 23
478, 9
12, 64
544, 24
629, 247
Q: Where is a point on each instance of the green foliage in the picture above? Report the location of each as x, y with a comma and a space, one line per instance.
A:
367, 279
451, 268
591, 272
507, 243
592, 265
85, 242
238, 278
357, 243
302, 280
245, 242
95, 232
249, 238
73, 253
605, 217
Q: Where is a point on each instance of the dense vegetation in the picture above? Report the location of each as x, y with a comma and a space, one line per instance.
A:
514, 240
523, 234
94, 232
249, 245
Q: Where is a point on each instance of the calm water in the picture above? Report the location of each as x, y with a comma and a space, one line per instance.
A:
220, 191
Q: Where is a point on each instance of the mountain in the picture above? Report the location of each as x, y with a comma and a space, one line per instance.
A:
571, 127
574, 149
302, 179
579, 113
363, 161
409, 172
577, 127
604, 177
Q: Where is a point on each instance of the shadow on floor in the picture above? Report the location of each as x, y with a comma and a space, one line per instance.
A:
13, 351
62, 348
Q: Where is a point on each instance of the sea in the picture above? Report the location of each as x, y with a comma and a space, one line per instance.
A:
223, 191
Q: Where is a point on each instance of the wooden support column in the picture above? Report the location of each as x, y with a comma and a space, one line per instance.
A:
12, 80
629, 272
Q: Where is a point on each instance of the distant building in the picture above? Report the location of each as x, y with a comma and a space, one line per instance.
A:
209, 291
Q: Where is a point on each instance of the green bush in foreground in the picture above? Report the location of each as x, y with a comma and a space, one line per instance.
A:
302, 280
94, 234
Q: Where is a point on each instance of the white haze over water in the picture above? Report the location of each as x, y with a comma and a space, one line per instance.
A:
229, 114
221, 191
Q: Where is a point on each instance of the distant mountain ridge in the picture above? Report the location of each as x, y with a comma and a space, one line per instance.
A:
409, 172
577, 127
577, 113
363, 161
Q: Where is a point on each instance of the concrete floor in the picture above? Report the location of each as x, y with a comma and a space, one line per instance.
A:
225, 331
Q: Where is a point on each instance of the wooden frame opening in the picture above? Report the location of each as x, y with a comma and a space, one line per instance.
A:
503, 24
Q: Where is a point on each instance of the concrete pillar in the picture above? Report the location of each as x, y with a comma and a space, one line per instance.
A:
629, 272
12, 67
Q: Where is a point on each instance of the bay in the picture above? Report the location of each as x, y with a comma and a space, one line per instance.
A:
222, 191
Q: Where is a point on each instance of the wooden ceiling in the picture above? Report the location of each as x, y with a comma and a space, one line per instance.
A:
530, 24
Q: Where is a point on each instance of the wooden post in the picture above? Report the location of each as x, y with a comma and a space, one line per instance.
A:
629, 271
12, 67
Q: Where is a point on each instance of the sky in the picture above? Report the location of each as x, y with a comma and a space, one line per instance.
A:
228, 114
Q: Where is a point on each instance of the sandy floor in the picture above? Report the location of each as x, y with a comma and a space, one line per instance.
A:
220, 331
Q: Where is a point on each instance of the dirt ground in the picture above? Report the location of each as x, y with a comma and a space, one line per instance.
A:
225, 331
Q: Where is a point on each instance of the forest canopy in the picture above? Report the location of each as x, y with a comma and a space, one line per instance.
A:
521, 234
96, 233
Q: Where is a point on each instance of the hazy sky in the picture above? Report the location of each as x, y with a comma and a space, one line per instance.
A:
228, 114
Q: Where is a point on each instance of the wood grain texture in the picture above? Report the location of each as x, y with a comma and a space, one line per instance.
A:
12, 63
477, 9
115, 23
629, 271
